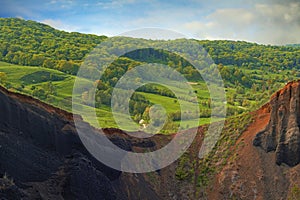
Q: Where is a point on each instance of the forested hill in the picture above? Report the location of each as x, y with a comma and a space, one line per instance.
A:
32, 43
293, 45
253, 55
251, 72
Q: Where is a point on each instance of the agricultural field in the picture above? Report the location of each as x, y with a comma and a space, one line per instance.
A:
55, 87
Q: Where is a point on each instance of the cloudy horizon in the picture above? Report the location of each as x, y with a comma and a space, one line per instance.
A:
265, 22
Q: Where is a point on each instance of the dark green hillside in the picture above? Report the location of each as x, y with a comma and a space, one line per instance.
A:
253, 56
41, 76
36, 44
293, 45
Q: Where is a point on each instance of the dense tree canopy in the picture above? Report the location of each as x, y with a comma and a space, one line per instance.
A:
253, 55
31, 43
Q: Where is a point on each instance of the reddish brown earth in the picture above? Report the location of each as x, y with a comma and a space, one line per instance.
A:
282, 133
252, 172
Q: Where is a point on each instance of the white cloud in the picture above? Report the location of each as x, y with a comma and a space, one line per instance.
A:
269, 21
165, 17
114, 3
19, 17
233, 17
263, 23
221, 24
57, 24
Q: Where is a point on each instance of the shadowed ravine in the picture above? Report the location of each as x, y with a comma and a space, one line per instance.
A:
43, 156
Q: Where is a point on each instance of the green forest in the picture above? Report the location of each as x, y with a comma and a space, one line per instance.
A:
41, 61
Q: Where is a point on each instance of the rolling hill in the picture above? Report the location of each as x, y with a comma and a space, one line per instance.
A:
32, 52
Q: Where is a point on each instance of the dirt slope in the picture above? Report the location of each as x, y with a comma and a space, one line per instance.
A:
254, 172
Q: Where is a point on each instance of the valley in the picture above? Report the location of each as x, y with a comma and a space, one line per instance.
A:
256, 155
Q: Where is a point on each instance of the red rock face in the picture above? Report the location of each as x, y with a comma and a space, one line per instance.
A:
282, 133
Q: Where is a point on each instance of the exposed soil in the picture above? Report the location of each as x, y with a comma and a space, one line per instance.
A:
252, 172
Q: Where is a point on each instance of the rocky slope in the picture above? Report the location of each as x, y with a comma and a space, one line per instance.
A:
42, 157
265, 160
282, 133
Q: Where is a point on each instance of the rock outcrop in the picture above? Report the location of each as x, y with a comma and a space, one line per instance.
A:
42, 156
282, 133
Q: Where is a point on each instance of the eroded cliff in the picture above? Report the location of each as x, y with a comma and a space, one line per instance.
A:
42, 156
271, 169
282, 133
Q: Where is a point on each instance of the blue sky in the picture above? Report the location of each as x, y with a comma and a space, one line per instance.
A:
264, 21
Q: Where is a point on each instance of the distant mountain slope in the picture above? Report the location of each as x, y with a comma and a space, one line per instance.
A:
32, 43
253, 55
293, 45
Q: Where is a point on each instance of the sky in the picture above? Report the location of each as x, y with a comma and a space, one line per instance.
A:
262, 21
